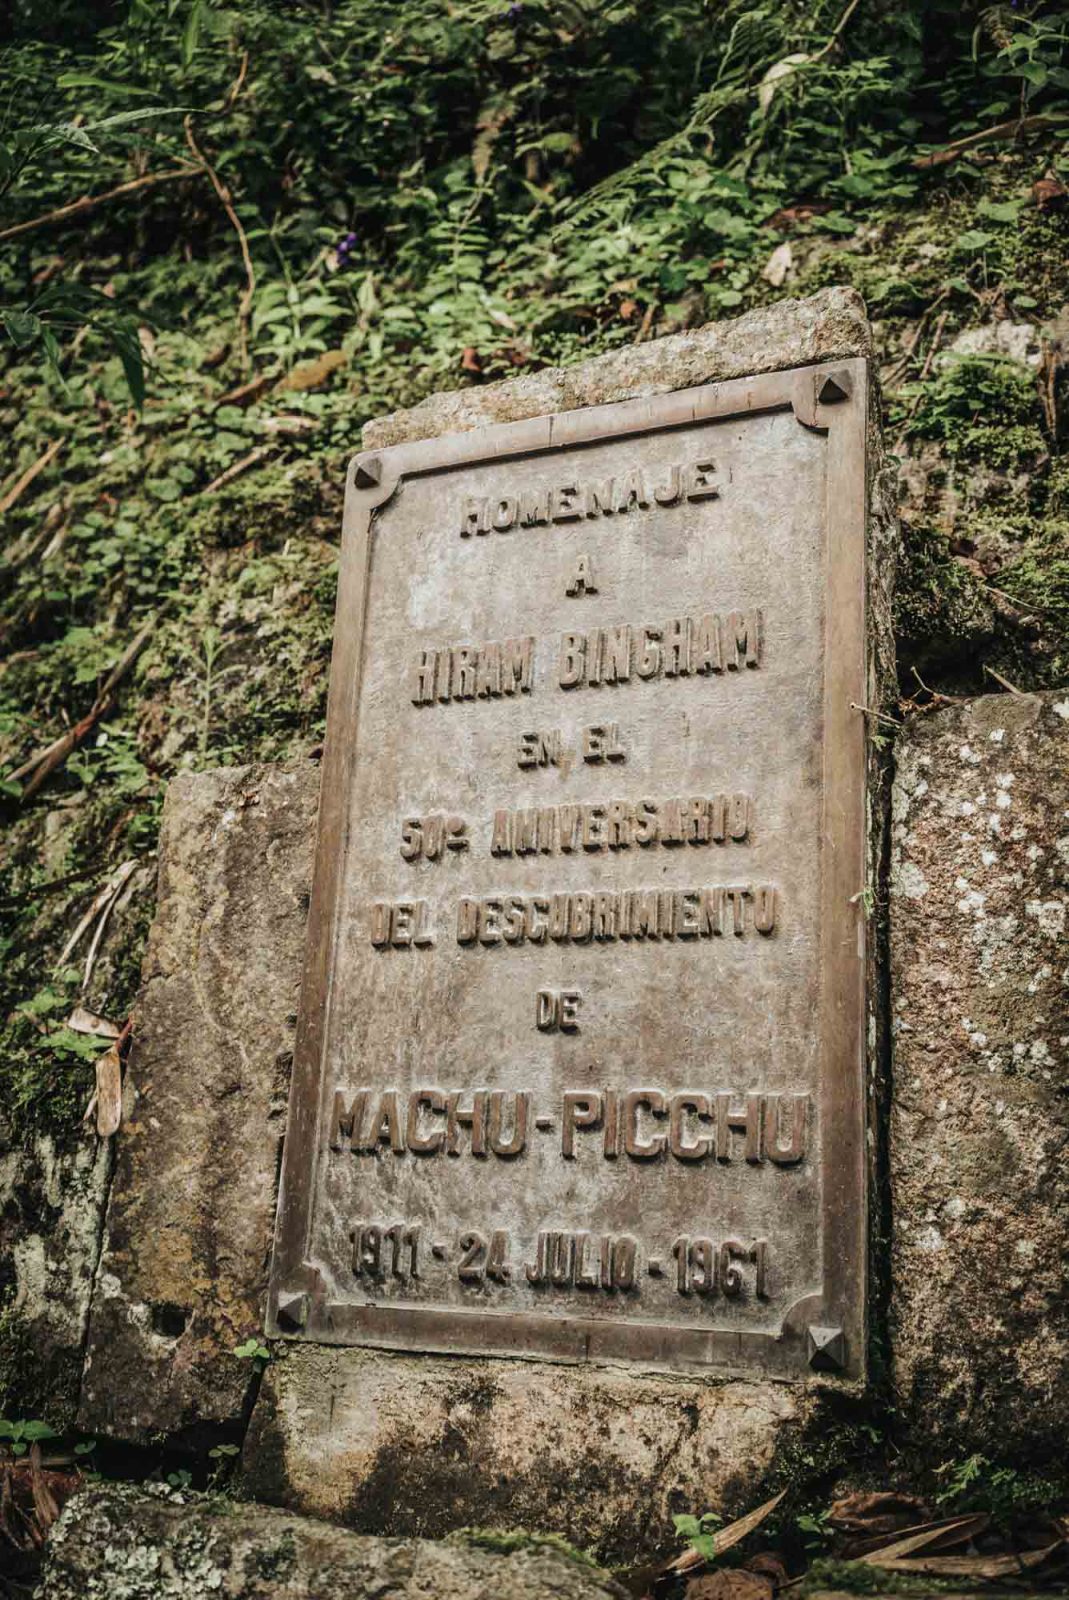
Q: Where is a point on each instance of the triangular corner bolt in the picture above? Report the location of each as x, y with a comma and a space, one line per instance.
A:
292, 1312
827, 1349
368, 472
836, 387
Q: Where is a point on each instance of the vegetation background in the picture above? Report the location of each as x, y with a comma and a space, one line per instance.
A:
230, 235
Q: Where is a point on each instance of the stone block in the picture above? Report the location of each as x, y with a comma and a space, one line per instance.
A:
130, 1543
418, 1445
827, 326
980, 1117
191, 1206
51, 1214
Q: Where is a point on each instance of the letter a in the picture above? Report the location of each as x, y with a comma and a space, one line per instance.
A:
582, 580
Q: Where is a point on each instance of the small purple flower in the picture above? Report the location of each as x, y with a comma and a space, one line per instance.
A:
513, 13
343, 248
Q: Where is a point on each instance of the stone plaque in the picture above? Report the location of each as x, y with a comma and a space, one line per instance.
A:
579, 1068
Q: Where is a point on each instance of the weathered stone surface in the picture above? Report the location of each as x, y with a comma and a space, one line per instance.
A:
122, 1543
824, 327
51, 1215
980, 1126
192, 1202
418, 1445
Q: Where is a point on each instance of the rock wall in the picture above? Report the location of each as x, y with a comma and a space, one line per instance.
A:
980, 1120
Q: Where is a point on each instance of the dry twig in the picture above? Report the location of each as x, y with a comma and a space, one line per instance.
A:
89, 202
21, 484
999, 679
245, 303
45, 761
1001, 130
237, 469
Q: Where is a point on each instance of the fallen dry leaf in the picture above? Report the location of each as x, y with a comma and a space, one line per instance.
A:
943, 1535
986, 1567
787, 216
881, 1512
727, 1537
770, 1566
778, 265
471, 360
729, 1583
109, 1092
1049, 192
83, 1021
310, 374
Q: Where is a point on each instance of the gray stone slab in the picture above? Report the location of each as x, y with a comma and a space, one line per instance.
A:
145, 1544
826, 326
419, 1445
192, 1201
980, 1125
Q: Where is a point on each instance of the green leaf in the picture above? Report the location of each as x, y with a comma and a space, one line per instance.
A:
22, 327
191, 31
124, 336
90, 80
1002, 211
122, 117
38, 1430
975, 239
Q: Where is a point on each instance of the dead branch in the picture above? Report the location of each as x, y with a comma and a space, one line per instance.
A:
43, 762
237, 469
89, 202
245, 393
19, 487
239, 83
1003, 682
1001, 130
245, 303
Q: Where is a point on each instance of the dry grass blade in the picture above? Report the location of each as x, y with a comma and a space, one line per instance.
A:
945, 1533
727, 1537
100, 901
987, 1568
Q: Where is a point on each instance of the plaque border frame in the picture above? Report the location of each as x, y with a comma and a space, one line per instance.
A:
824, 1331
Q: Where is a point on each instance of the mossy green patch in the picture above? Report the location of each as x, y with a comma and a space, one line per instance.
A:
506, 1540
